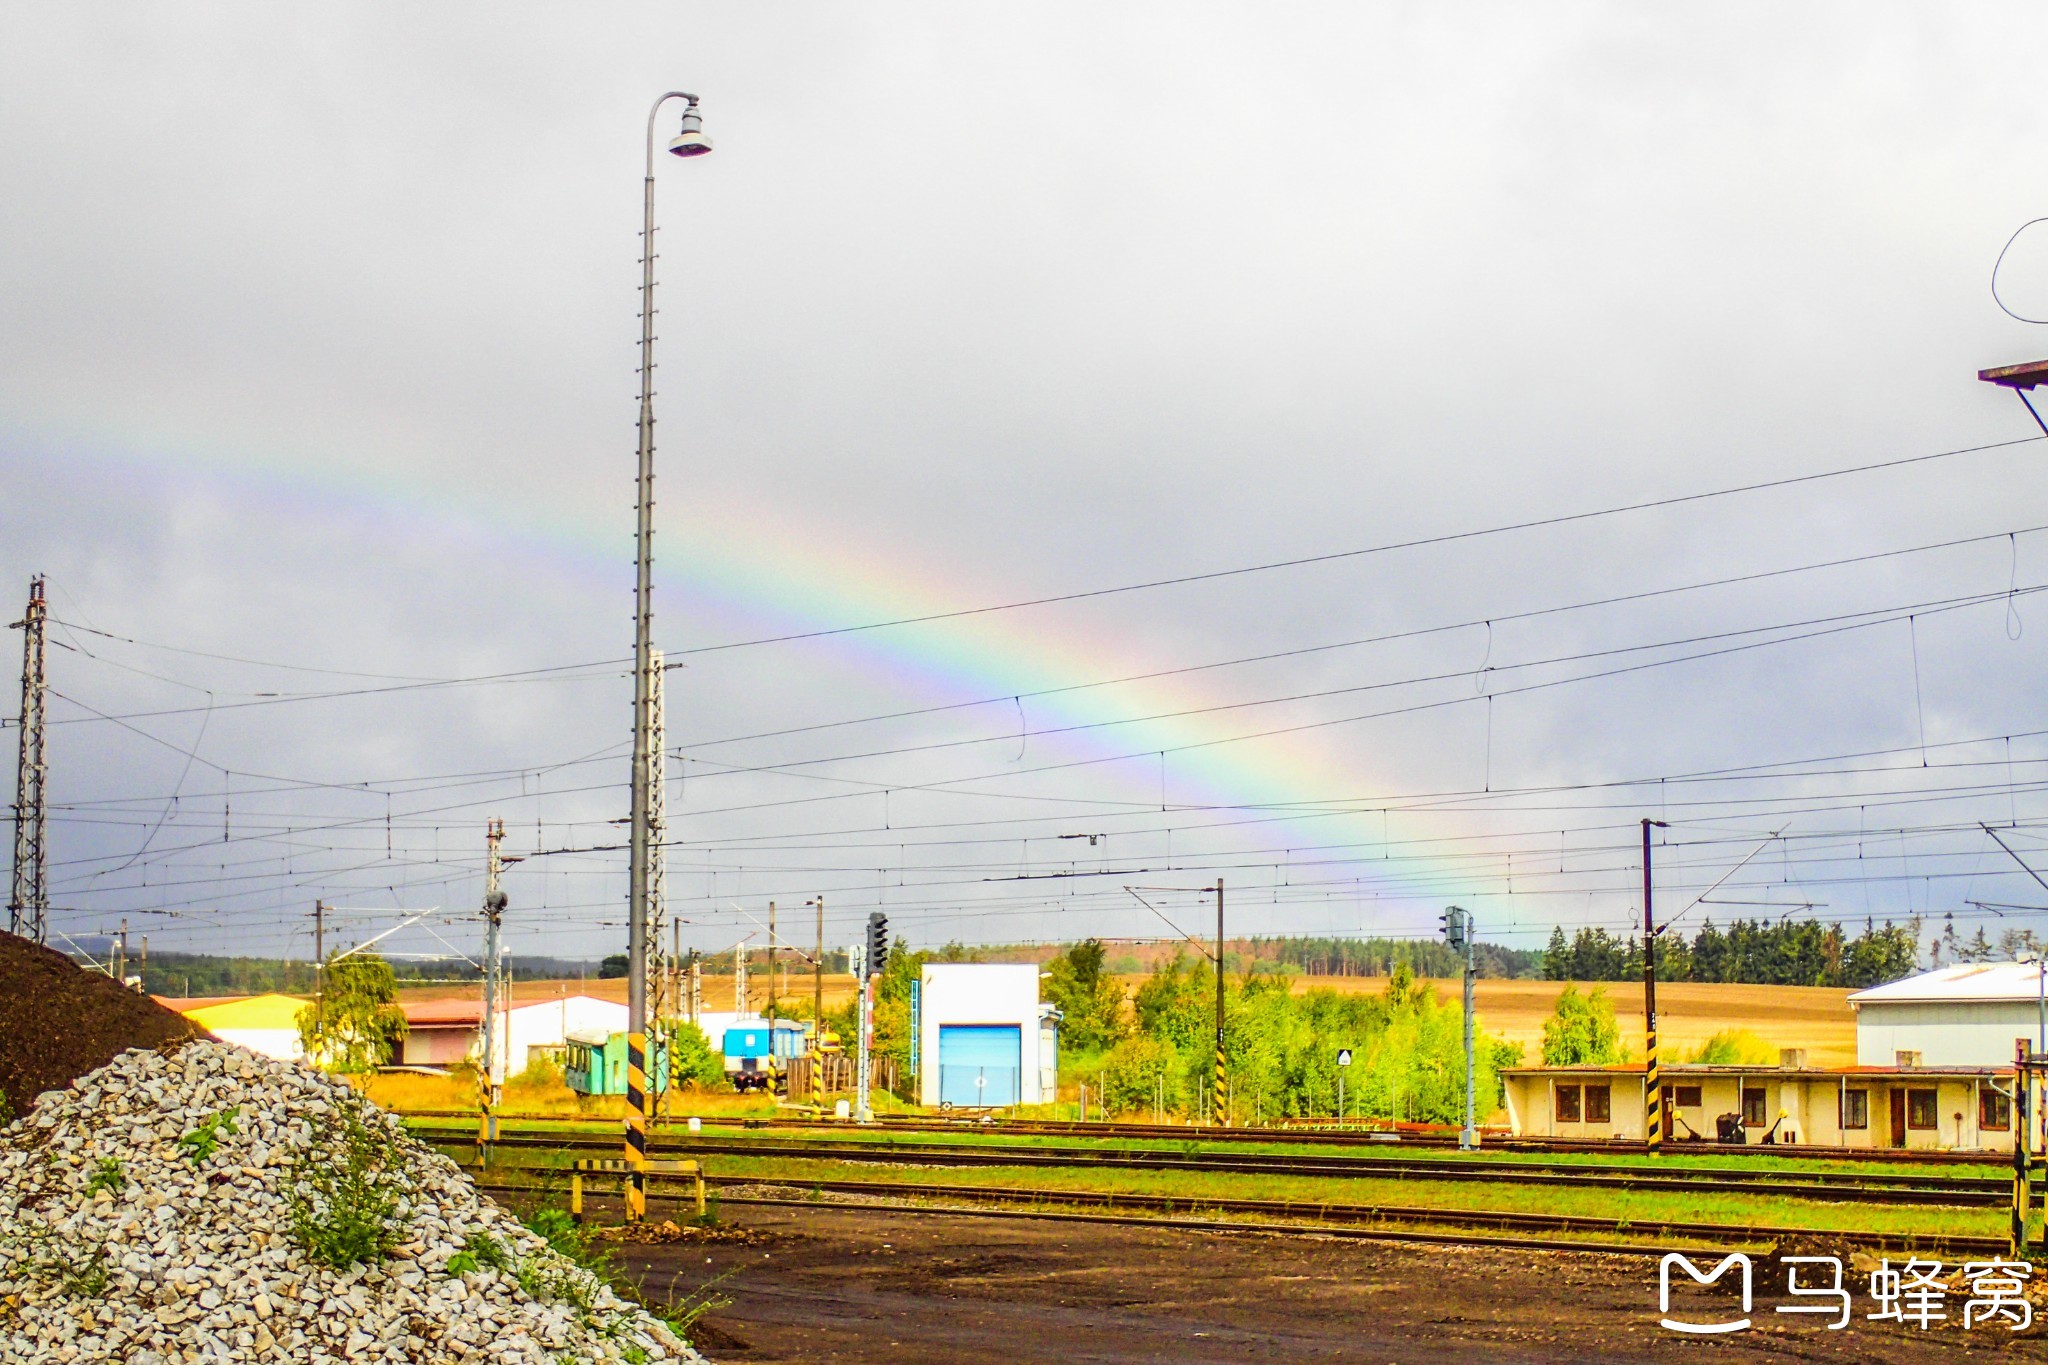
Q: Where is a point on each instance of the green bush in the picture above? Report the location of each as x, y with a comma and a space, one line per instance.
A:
342, 1193
692, 1060
1407, 1046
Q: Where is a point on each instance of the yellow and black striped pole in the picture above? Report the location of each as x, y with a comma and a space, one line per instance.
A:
1653, 1085
636, 1127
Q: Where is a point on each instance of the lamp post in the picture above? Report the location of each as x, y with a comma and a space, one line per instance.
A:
688, 142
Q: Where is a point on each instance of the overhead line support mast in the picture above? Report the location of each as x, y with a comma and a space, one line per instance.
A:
28, 902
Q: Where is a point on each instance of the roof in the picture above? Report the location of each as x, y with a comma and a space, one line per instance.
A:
185, 1004
1968, 981
443, 1013
270, 1011
468, 1011
2024, 376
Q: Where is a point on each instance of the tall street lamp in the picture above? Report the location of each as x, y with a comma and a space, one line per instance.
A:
688, 142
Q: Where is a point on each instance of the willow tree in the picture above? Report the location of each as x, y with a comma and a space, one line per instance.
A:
355, 1025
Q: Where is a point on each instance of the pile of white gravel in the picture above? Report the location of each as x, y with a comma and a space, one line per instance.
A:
125, 1234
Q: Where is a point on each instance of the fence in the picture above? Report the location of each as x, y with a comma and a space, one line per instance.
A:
811, 1077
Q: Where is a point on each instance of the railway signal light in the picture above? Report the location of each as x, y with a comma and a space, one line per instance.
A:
878, 943
1457, 925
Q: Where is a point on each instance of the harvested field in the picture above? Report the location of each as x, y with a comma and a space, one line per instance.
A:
1817, 1018
58, 1021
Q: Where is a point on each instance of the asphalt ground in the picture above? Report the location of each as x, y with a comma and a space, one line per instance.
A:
858, 1284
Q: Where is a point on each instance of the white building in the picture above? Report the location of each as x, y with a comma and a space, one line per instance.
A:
444, 1032
1971, 1014
984, 1040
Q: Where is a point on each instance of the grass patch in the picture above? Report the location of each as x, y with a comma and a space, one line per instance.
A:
1641, 1207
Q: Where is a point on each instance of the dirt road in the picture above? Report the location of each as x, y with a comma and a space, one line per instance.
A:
835, 1284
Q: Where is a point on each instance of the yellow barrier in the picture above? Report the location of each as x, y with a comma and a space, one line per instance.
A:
615, 1166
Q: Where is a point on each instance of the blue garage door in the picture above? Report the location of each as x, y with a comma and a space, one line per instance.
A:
980, 1064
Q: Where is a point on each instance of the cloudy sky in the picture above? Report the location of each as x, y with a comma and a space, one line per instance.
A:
317, 402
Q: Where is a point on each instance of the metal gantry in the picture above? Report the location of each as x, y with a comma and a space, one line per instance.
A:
28, 903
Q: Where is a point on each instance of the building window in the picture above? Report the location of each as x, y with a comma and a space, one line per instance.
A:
1686, 1096
1922, 1109
1567, 1104
1599, 1104
1753, 1106
1855, 1109
1994, 1111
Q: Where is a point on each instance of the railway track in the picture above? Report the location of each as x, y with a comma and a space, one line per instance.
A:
1375, 1222
1293, 1136
1837, 1187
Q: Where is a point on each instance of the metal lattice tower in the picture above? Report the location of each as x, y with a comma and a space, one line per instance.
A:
28, 904
658, 965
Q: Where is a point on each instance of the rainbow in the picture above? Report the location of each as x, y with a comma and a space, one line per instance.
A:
757, 572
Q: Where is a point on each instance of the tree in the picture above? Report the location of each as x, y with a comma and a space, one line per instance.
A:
357, 1025
1581, 1030
613, 967
692, 1061
1090, 1001
1557, 957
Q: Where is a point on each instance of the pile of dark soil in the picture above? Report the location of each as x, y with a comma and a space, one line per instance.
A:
58, 1021
657, 1234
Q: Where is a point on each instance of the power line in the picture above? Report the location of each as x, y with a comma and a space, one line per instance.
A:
1446, 538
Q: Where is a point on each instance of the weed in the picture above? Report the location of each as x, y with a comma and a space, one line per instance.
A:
81, 1274
566, 1235
342, 1192
635, 1355
84, 1274
6, 1110
107, 1176
481, 1251
200, 1143
681, 1315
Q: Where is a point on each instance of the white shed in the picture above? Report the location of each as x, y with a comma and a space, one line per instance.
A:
1971, 1014
983, 1038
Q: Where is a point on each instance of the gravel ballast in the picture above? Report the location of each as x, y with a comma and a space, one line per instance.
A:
146, 1216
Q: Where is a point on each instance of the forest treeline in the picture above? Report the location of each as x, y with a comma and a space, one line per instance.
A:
1755, 952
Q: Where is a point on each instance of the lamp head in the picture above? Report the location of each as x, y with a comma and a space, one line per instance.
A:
690, 141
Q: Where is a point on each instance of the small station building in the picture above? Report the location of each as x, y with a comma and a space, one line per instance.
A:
984, 1039
1965, 1108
